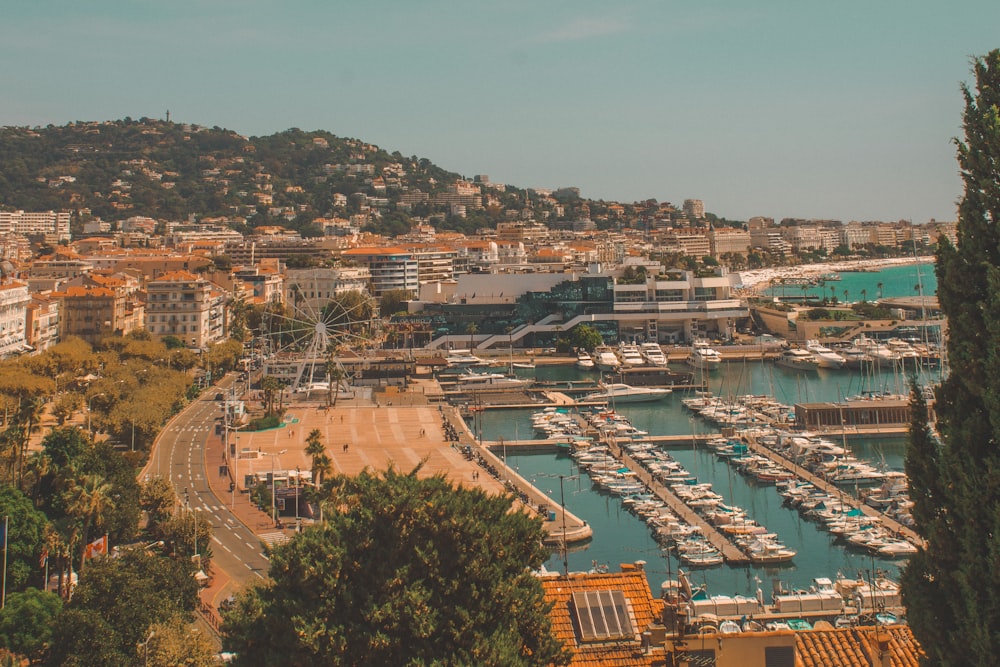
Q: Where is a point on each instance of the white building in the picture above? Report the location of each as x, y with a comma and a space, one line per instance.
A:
44, 222
14, 301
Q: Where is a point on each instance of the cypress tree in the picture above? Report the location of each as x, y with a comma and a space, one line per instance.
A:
952, 586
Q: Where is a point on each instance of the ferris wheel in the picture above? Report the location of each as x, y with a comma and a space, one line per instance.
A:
302, 337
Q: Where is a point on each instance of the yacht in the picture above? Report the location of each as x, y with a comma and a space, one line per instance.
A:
703, 356
462, 359
654, 354
631, 356
606, 359
825, 357
491, 381
584, 361
623, 393
798, 359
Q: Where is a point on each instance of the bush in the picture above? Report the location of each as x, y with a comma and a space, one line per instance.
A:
264, 423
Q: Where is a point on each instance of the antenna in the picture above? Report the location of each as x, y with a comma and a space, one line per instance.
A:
168, 115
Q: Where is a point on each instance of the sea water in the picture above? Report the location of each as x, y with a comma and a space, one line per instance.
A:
620, 537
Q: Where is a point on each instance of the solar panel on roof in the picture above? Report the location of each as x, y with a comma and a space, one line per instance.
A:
602, 616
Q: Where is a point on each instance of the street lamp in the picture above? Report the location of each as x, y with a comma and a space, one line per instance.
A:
274, 486
145, 648
89, 402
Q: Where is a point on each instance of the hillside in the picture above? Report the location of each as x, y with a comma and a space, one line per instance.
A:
120, 169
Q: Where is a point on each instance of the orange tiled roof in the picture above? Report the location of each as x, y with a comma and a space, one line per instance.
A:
857, 647
631, 581
74, 291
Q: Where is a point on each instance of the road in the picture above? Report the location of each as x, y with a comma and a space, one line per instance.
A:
180, 455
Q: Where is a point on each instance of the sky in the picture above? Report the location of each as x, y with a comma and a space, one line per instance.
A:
837, 110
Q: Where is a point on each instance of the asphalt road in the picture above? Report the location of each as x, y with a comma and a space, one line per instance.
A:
180, 455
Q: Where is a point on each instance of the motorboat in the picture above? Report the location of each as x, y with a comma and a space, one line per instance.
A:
703, 356
630, 355
624, 393
606, 360
463, 359
491, 381
798, 359
654, 354
584, 361
825, 357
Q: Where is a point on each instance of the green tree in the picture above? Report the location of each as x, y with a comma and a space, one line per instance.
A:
89, 500
158, 500
392, 301
25, 536
406, 571
951, 587
121, 599
586, 337
26, 621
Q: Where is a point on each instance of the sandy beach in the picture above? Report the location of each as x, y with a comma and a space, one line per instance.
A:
762, 278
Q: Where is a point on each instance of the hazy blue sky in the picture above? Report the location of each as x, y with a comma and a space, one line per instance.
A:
789, 109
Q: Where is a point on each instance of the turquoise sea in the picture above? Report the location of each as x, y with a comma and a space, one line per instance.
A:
620, 537
896, 281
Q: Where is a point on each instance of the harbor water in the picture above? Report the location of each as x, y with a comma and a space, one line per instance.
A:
620, 537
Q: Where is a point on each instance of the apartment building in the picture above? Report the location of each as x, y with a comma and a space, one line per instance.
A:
44, 222
310, 290
91, 313
14, 300
390, 268
728, 240
184, 305
42, 322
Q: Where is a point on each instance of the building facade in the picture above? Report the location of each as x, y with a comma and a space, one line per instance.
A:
183, 305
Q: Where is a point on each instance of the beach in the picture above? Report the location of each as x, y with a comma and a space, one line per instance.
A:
759, 279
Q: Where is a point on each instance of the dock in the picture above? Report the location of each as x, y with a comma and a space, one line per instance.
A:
828, 487
729, 551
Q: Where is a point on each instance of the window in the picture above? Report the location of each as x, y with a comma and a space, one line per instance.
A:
602, 616
779, 656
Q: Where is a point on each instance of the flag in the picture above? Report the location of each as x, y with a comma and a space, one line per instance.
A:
3, 534
98, 547
44, 558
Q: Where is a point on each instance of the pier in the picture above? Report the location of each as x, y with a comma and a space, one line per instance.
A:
729, 551
828, 487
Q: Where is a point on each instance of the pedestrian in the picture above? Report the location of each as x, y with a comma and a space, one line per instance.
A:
341, 419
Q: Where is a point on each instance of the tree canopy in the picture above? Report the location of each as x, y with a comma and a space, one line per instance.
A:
952, 587
404, 571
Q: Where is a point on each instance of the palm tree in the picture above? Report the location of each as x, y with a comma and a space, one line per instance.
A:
90, 501
314, 445
471, 329
845, 296
335, 375
879, 286
864, 295
322, 466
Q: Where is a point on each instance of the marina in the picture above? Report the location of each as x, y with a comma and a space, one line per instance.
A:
619, 535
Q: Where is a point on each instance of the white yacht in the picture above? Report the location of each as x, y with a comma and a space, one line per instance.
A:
825, 357
703, 356
623, 393
654, 354
606, 360
630, 355
798, 359
462, 359
584, 361
491, 381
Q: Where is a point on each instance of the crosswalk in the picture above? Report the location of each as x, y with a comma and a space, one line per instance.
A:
273, 539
